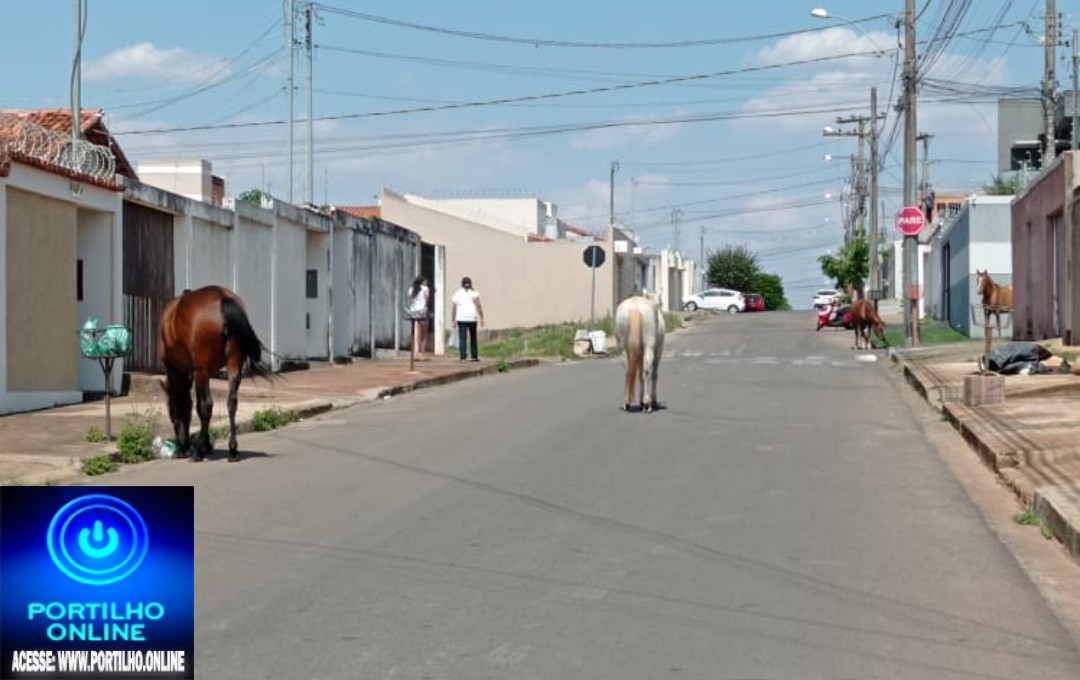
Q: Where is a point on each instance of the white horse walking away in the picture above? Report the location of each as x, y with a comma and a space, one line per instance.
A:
639, 327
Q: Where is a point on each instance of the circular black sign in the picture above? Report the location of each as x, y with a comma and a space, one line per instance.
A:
594, 256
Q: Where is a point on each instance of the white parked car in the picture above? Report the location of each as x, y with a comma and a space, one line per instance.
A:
824, 297
723, 299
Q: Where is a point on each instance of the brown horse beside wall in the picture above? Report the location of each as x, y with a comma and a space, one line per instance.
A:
203, 331
864, 317
996, 298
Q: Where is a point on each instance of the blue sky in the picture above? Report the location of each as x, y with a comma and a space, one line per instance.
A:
713, 115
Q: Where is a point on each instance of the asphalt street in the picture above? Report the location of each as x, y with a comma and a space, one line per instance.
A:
782, 517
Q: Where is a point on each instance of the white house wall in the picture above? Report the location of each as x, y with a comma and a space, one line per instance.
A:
254, 253
97, 248
522, 284
316, 310
210, 255
99, 209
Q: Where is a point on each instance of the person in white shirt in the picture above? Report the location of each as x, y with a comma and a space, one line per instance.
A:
468, 313
417, 312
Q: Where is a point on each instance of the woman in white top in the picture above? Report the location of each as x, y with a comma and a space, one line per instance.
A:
418, 313
467, 312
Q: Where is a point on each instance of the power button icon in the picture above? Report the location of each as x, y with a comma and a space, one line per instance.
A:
97, 539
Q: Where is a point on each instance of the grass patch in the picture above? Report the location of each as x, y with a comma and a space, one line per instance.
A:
95, 435
556, 340
931, 332
273, 418
1066, 354
1030, 517
99, 465
136, 441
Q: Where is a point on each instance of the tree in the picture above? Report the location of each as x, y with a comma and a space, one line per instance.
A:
1000, 186
851, 266
733, 267
771, 289
256, 196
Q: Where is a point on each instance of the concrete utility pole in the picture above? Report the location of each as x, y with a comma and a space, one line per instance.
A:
875, 268
908, 294
924, 180
309, 194
76, 79
1048, 84
1075, 115
701, 257
858, 212
676, 213
611, 198
290, 37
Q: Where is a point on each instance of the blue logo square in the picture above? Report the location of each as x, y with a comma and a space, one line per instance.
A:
105, 582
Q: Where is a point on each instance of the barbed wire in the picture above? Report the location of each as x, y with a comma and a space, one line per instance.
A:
35, 141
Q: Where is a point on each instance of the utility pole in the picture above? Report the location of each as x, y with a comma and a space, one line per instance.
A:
701, 256
909, 293
875, 270
924, 181
611, 198
857, 220
290, 36
1049, 108
309, 194
76, 81
676, 213
1075, 115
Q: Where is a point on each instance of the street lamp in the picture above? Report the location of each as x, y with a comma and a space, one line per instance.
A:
822, 13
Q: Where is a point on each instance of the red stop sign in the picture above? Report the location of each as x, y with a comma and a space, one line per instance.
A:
910, 220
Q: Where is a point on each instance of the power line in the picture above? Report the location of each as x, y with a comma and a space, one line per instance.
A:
547, 42
507, 100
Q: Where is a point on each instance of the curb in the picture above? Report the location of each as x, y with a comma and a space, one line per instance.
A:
1050, 505
71, 469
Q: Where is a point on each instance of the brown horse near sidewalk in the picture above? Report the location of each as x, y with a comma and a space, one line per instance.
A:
996, 298
203, 331
864, 317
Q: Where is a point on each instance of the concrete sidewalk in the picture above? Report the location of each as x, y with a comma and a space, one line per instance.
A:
1031, 440
49, 446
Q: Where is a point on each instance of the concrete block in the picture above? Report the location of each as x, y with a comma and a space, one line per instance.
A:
984, 390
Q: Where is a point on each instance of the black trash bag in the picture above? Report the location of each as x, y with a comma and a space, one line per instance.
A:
1015, 357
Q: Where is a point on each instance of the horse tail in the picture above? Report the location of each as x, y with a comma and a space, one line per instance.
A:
238, 327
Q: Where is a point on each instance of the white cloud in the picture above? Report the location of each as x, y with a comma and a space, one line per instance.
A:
827, 43
146, 61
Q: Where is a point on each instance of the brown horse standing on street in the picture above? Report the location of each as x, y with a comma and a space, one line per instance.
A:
996, 298
203, 331
864, 317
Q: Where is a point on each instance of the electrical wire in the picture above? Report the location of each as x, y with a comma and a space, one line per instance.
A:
547, 42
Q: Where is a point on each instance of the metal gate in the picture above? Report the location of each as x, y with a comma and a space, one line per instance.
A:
149, 281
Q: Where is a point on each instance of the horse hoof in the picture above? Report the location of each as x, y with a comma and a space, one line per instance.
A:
626, 407
196, 459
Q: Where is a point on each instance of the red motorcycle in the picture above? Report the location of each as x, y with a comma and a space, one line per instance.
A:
841, 320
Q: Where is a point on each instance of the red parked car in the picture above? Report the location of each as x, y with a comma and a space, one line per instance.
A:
754, 302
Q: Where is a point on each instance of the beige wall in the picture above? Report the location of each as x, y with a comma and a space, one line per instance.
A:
39, 289
521, 284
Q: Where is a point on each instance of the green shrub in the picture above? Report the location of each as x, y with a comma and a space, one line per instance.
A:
136, 441
273, 418
95, 435
1030, 517
99, 465
501, 365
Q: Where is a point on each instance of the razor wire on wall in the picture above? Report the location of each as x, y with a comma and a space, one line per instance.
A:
55, 148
